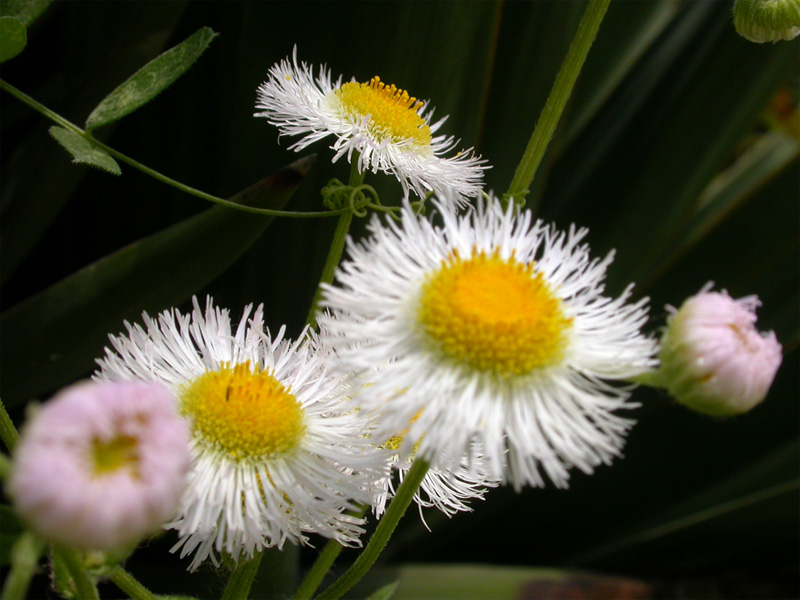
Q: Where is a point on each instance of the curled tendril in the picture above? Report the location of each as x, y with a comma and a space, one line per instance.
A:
358, 199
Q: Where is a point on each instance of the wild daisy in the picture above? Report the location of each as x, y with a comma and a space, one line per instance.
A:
101, 465
388, 130
490, 329
275, 455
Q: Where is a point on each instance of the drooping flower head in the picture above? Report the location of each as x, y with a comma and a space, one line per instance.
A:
276, 456
101, 465
389, 130
713, 359
489, 330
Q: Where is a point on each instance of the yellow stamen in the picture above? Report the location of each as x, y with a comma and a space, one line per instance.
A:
121, 452
392, 112
493, 314
245, 413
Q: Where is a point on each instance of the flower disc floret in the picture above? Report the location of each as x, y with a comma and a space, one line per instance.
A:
248, 415
495, 315
393, 114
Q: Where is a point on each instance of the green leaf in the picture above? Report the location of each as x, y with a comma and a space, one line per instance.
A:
27, 11
385, 592
59, 332
12, 38
83, 151
150, 80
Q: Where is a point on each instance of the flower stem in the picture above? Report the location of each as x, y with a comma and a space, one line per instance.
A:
8, 433
25, 555
58, 119
318, 570
322, 565
85, 588
386, 526
557, 100
238, 586
128, 584
337, 245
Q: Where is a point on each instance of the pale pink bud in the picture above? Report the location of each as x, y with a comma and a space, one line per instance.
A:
713, 359
101, 465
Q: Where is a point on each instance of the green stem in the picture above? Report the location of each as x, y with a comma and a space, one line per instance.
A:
318, 570
322, 565
85, 588
386, 526
337, 245
241, 579
25, 555
128, 584
56, 118
8, 433
557, 100
651, 378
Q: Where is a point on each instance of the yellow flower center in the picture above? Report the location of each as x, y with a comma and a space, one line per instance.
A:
493, 314
393, 114
245, 413
121, 452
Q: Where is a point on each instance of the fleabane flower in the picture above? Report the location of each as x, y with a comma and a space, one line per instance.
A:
492, 330
386, 128
101, 465
713, 359
275, 453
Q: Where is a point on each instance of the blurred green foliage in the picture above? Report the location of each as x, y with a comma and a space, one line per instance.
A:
678, 149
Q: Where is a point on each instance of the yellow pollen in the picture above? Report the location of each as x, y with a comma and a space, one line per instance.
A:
245, 413
393, 114
493, 314
121, 452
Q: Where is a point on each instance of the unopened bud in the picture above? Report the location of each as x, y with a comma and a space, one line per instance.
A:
767, 20
713, 359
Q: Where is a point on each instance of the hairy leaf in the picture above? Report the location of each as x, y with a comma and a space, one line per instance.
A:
12, 38
150, 80
27, 11
83, 151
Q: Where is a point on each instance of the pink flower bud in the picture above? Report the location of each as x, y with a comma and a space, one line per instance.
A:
713, 359
101, 465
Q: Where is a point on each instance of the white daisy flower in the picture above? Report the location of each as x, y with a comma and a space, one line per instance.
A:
389, 131
490, 329
275, 456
